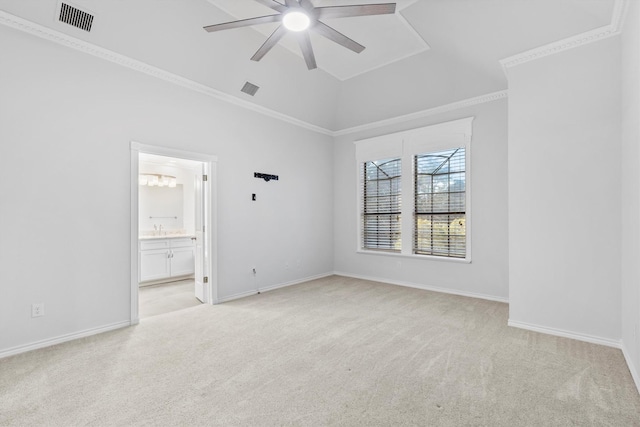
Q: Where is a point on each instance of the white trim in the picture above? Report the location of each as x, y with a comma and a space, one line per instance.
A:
619, 15
613, 29
295, 282
489, 97
405, 145
134, 254
631, 366
172, 152
212, 208
273, 287
74, 43
237, 296
557, 47
424, 287
566, 334
211, 292
433, 133
414, 256
62, 338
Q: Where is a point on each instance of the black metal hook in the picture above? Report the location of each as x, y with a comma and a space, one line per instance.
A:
267, 177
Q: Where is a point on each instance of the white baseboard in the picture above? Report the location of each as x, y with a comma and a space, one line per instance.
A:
166, 280
273, 287
236, 296
566, 334
424, 287
632, 367
62, 338
295, 282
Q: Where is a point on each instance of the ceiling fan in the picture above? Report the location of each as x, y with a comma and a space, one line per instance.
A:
298, 16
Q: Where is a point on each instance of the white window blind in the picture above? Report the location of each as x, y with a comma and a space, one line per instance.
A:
381, 205
440, 203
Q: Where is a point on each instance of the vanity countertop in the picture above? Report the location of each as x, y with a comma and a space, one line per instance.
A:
168, 236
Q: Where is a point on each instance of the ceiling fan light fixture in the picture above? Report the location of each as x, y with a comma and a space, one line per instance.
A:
300, 15
296, 21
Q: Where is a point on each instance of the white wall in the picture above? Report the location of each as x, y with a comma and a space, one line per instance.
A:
564, 192
631, 189
487, 273
65, 238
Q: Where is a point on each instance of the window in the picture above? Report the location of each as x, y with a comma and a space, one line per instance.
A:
440, 200
381, 216
432, 164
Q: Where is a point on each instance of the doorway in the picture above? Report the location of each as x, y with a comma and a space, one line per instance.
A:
173, 237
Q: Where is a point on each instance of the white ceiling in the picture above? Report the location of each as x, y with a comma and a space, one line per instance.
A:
395, 75
387, 38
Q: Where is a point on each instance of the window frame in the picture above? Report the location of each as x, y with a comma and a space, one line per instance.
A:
406, 145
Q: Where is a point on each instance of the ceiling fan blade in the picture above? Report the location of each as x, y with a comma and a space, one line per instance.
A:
243, 23
336, 36
273, 5
307, 5
355, 10
307, 51
269, 43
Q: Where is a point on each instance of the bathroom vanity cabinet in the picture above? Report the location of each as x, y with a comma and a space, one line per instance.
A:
162, 258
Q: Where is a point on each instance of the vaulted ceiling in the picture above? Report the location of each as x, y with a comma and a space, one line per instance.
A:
429, 53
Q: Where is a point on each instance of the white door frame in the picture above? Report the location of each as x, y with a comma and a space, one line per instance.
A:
210, 221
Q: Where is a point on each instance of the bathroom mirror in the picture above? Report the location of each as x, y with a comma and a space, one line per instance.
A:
161, 206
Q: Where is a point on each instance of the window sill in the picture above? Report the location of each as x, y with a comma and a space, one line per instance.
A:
413, 256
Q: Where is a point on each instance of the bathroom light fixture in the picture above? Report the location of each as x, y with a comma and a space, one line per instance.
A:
157, 180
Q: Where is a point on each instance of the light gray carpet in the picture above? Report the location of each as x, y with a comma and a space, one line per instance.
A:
334, 351
166, 297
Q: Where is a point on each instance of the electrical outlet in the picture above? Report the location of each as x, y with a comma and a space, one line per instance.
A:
37, 309
253, 270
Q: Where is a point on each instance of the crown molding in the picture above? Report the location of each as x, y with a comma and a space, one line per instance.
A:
619, 15
49, 34
614, 28
482, 99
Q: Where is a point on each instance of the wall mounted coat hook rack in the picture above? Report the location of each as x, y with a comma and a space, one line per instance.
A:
267, 177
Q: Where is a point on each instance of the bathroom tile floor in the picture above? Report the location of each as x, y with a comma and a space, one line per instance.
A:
166, 297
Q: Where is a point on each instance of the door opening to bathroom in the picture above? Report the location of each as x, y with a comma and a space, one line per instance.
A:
172, 230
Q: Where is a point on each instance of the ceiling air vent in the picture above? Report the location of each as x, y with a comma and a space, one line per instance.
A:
75, 17
249, 88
